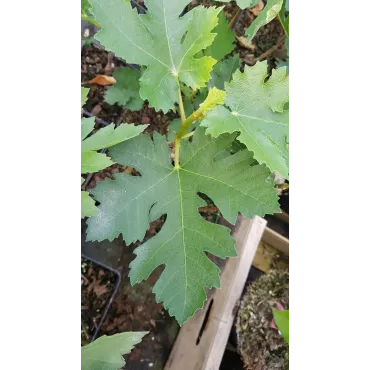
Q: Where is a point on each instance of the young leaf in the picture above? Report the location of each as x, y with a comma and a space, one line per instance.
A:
88, 207
257, 112
84, 92
162, 41
109, 136
106, 352
93, 162
126, 90
281, 318
223, 72
106, 137
215, 97
269, 12
223, 42
87, 125
231, 182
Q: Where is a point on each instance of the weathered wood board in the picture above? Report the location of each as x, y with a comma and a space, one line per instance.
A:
201, 342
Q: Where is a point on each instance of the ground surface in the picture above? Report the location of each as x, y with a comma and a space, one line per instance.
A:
135, 308
97, 286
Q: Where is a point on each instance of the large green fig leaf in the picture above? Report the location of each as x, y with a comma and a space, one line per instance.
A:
257, 112
162, 41
125, 91
232, 182
106, 352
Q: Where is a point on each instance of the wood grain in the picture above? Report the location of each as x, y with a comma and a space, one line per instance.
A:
186, 353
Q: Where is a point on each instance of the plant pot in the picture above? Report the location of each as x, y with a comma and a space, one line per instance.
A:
99, 284
258, 340
209, 339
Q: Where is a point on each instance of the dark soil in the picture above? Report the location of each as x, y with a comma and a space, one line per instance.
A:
97, 286
259, 342
134, 308
95, 60
266, 37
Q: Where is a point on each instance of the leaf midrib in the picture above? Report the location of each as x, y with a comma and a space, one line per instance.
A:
177, 68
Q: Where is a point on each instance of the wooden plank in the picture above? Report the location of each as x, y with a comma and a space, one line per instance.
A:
268, 257
271, 251
264, 257
276, 240
205, 353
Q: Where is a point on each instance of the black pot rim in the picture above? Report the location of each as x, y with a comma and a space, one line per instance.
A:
110, 300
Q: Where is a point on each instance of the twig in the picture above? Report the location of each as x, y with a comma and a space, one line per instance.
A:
270, 51
108, 67
234, 18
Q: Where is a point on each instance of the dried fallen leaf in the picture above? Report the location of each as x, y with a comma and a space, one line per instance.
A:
101, 80
257, 9
99, 290
279, 306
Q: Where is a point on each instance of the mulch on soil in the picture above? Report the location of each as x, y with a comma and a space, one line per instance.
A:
97, 285
95, 60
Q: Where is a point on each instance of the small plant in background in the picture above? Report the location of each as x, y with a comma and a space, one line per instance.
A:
258, 322
107, 352
281, 318
182, 66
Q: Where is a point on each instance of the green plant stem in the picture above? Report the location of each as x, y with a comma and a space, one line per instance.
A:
188, 122
177, 152
177, 139
181, 104
185, 124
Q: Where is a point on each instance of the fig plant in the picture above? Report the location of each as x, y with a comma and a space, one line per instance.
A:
181, 58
